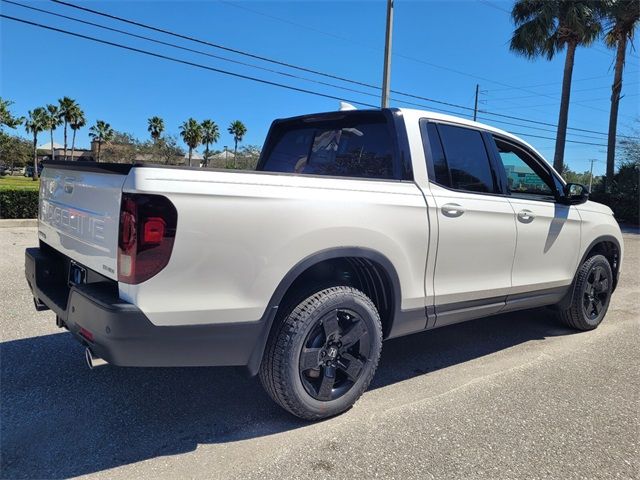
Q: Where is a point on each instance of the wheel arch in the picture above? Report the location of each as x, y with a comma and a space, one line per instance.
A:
375, 276
606, 245
609, 246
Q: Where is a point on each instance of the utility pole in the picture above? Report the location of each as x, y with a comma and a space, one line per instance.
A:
386, 76
475, 106
591, 174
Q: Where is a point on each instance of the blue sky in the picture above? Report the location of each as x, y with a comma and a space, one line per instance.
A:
440, 51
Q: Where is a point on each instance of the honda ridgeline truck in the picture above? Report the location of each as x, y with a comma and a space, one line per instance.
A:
356, 227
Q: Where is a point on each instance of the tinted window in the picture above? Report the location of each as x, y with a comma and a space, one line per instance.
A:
525, 177
440, 169
467, 159
344, 148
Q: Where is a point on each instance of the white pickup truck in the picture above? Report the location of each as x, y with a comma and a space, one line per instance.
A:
358, 226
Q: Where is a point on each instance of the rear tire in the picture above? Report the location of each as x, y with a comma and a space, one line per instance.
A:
324, 353
591, 294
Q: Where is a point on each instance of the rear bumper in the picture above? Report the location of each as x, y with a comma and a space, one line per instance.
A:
123, 335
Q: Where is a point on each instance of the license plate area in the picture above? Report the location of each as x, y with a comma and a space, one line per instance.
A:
77, 274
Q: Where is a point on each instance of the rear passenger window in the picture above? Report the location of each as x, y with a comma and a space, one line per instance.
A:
467, 159
351, 147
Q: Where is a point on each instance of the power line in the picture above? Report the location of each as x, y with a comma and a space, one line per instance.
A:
493, 5
225, 72
333, 35
602, 99
243, 63
549, 83
625, 84
309, 70
199, 52
505, 122
211, 44
551, 138
185, 62
316, 72
235, 51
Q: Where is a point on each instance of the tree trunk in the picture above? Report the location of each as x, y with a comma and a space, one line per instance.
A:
99, 148
235, 155
11, 165
53, 152
73, 143
616, 88
190, 149
65, 140
563, 117
35, 157
206, 155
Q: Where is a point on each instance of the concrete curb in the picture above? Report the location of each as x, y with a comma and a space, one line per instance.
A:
18, 222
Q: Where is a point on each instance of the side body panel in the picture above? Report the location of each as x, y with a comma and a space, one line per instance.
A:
548, 244
475, 249
240, 233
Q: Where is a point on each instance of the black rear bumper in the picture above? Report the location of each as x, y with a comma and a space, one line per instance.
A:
123, 335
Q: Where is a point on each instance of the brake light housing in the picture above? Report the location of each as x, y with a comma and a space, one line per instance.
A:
145, 237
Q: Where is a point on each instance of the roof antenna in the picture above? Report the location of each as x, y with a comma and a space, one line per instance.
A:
344, 106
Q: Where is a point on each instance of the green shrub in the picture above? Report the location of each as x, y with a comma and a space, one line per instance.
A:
18, 203
624, 195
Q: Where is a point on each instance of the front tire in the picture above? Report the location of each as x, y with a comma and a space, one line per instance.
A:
591, 295
324, 353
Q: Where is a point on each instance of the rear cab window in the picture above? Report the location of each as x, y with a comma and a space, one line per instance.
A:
357, 145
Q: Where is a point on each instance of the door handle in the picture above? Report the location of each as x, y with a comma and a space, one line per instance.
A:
526, 216
452, 210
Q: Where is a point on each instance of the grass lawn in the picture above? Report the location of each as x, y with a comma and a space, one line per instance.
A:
18, 183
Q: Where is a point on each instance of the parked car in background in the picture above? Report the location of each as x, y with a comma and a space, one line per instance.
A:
28, 170
358, 226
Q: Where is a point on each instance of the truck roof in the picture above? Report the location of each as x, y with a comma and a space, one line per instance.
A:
417, 114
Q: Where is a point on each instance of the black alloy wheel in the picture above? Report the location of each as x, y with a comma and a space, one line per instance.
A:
334, 354
323, 352
591, 294
596, 292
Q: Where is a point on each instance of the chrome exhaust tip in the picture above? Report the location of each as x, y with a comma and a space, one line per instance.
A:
92, 360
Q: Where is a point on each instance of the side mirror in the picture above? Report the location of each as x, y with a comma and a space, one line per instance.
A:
575, 194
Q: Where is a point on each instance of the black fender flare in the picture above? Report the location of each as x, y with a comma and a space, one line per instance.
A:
339, 252
568, 298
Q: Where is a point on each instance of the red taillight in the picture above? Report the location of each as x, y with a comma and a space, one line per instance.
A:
153, 231
147, 230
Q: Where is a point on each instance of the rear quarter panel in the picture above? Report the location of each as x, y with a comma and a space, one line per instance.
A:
240, 233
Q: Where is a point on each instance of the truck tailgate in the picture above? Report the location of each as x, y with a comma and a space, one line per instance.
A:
79, 214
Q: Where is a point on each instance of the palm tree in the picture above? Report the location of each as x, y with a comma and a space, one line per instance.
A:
620, 18
37, 121
238, 130
155, 128
66, 107
76, 122
7, 119
191, 133
210, 134
101, 132
54, 120
544, 28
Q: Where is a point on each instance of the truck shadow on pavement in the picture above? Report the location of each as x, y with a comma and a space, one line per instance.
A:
59, 419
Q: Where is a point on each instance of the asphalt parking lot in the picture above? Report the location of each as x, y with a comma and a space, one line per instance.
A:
510, 396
